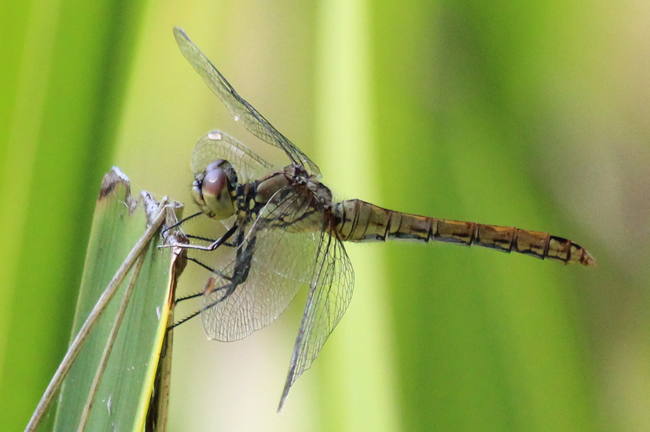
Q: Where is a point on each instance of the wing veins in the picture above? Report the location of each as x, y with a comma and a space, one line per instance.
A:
254, 122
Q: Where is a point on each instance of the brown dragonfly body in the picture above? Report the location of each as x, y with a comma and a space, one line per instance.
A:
284, 232
361, 221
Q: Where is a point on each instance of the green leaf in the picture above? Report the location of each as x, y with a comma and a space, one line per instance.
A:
110, 384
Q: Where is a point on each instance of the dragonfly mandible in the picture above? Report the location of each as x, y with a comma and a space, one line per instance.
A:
285, 232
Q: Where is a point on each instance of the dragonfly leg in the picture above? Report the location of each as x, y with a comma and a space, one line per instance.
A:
189, 297
199, 294
231, 288
182, 221
184, 320
215, 244
207, 267
208, 240
239, 276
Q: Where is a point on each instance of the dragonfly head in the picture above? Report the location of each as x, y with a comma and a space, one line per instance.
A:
212, 189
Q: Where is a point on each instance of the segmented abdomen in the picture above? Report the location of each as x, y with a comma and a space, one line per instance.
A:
360, 221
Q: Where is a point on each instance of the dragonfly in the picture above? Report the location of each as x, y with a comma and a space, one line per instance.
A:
285, 232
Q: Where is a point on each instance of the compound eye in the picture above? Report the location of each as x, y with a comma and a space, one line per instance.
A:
216, 199
214, 182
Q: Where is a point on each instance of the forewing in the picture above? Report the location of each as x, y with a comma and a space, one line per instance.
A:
218, 145
238, 107
329, 295
281, 248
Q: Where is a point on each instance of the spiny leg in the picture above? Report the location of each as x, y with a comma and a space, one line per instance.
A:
215, 244
207, 240
182, 221
196, 313
239, 276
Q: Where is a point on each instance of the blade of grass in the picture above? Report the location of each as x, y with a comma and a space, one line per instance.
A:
110, 343
117, 222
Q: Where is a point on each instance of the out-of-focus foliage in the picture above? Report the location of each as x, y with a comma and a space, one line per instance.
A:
63, 72
530, 114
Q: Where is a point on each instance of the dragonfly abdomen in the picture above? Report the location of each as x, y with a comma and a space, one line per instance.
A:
360, 221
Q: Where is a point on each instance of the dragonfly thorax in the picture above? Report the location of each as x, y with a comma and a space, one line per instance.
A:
212, 189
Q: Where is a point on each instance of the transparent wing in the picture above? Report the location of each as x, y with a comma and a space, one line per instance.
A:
264, 274
218, 145
238, 107
329, 295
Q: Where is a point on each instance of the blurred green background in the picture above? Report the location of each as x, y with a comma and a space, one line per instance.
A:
530, 114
